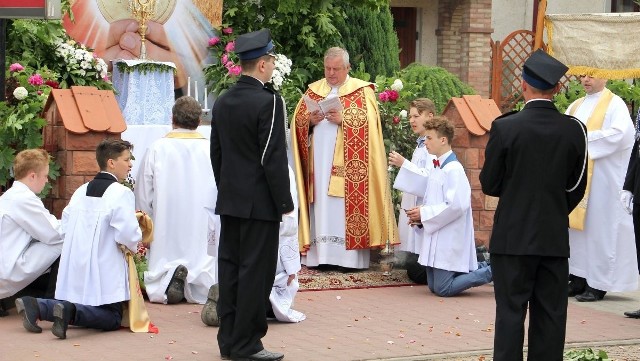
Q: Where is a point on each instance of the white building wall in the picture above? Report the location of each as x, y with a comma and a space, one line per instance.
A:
511, 15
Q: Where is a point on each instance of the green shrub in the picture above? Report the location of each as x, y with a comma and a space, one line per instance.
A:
419, 81
585, 355
369, 37
435, 83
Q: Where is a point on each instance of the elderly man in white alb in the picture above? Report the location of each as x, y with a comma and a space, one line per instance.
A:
341, 170
603, 257
30, 242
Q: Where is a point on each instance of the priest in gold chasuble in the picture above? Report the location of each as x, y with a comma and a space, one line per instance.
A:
341, 170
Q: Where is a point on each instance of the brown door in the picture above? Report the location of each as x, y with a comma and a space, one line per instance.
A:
404, 22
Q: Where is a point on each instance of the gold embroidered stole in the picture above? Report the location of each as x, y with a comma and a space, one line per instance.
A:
595, 121
369, 217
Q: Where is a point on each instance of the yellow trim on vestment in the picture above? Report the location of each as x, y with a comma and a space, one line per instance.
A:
185, 135
595, 121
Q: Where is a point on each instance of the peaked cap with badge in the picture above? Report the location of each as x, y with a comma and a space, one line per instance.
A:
542, 71
254, 45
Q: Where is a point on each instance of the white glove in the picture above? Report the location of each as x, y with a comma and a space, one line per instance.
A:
626, 198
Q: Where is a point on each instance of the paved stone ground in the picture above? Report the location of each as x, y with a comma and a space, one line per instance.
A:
394, 323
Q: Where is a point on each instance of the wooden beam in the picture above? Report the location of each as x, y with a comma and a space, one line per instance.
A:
542, 10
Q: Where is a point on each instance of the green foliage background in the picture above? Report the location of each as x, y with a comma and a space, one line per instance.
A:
369, 37
31, 44
629, 92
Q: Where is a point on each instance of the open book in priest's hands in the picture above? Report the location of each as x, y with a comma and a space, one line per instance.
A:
324, 105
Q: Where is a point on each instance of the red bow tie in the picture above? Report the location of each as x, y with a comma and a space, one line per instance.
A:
436, 163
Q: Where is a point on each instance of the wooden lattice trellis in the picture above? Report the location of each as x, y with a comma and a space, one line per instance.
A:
507, 58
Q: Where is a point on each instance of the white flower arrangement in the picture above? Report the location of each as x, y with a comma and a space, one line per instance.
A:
20, 93
80, 61
282, 70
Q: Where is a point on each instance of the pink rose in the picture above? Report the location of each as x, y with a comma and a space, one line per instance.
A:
39, 92
235, 70
214, 41
106, 78
393, 95
384, 96
224, 58
229, 64
36, 79
230, 47
15, 67
396, 119
227, 30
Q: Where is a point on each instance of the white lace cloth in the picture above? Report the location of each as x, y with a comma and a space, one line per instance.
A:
144, 98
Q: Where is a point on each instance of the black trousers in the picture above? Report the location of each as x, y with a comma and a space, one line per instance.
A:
636, 230
541, 284
247, 257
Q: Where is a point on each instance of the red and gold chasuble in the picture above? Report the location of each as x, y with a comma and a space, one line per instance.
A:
358, 173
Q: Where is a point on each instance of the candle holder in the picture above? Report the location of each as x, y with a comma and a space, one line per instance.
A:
142, 11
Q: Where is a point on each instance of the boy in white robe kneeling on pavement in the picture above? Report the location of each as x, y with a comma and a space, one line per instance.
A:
448, 246
92, 279
285, 285
30, 241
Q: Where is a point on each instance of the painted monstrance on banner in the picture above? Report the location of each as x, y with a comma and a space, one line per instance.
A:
178, 32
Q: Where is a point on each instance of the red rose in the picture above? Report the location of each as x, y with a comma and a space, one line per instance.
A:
396, 119
53, 84
393, 95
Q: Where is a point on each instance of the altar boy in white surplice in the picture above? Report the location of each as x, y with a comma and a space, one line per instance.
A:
174, 185
420, 110
285, 285
448, 245
30, 242
93, 275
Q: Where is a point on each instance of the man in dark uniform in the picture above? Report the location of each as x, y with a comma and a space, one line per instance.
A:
248, 155
535, 161
630, 197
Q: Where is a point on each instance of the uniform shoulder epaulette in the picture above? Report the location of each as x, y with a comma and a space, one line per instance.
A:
506, 114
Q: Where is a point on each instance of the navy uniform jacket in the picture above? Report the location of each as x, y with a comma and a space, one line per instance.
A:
532, 158
248, 152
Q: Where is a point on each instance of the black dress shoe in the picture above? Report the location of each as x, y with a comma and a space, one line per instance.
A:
175, 289
63, 312
577, 285
30, 311
590, 295
209, 313
263, 355
633, 314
